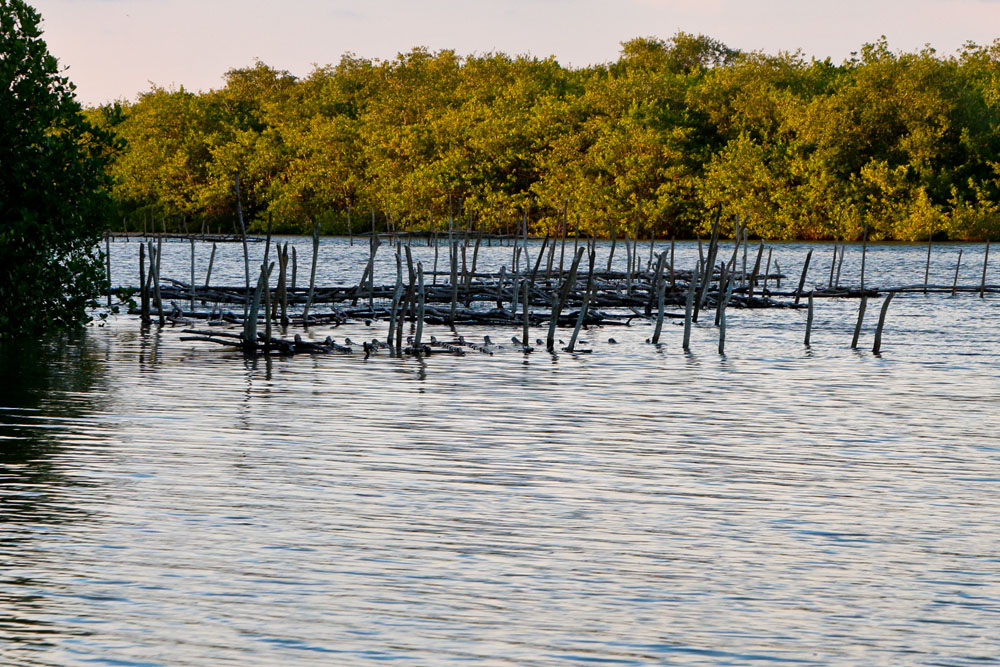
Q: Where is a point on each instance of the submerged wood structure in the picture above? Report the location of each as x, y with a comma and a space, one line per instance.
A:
573, 293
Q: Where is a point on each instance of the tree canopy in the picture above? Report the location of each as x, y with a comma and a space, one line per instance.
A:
53, 185
905, 143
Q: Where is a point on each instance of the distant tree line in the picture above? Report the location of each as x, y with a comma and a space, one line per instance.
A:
796, 148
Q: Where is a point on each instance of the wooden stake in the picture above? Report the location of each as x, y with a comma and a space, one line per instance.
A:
809, 319
927, 266
861, 317
876, 348
143, 286
560, 301
312, 275
192, 275
211, 262
802, 278
864, 255
986, 259
107, 260
421, 296
246, 250
661, 287
954, 284
689, 310
586, 300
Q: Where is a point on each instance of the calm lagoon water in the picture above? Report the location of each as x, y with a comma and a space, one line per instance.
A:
168, 502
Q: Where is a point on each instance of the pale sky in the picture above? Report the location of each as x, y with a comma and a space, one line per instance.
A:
114, 49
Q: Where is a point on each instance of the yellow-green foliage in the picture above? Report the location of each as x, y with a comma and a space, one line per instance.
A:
792, 147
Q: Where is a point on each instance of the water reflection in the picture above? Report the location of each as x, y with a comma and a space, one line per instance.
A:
636, 505
49, 398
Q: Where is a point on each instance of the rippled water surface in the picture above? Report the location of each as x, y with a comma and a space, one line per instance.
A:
168, 502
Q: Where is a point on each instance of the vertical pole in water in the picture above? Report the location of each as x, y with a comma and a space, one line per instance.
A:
402, 300
927, 266
724, 303
391, 338
986, 258
526, 321
562, 251
661, 287
350, 230
833, 265
246, 251
767, 271
614, 242
756, 270
954, 284
673, 281
295, 267
211, 261
583, 306
422, 298
143, 287
312, 275
689, 309
434, 279
192, 275
802, 278
266, 268
881, 322
809, 319
861, 318
500, 279
840, 263
864, 254
454, 281
560, 301
156, 279
107, 260
743, 276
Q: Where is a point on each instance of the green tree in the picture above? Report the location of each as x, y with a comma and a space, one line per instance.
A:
53, 187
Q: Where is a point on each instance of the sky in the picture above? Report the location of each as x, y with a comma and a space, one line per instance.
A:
116, 49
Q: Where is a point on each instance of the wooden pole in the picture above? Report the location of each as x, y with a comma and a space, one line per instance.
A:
312, 275
809, 319
156, 280
861, 318
864, 255
107, 261
211, 262
246, 250
877, 347
840, 263
833, 265
767, 271
723, 316
954, 284
143, 286
802, 278
614, 241
986, 259
661, 287
560, 301
689, 309
927, 266
192, 276
421, 296
526, 317
397, 293
586, 300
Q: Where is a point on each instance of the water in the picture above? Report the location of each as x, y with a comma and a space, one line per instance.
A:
170, 503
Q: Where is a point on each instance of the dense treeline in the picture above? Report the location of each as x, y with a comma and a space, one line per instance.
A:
906, 143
